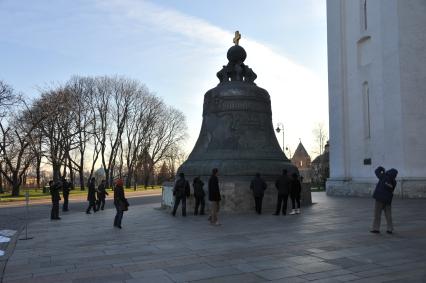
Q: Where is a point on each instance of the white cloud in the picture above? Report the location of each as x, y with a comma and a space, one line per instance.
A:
298, 95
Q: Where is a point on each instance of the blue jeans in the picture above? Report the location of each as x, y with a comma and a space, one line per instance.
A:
118, 216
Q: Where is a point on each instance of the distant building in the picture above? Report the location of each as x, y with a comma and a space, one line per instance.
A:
320, 168
302, 160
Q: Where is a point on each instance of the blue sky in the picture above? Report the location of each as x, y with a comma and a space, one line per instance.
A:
175, 48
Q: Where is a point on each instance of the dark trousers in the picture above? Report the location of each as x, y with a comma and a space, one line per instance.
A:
177, 200
282, 199
118, 216
379, 207
295, 199
65, 205
198, 201
100, 203
258, 204
92, 204
54, 214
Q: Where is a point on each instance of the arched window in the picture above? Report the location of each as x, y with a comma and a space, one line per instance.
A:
366, 109
363, 14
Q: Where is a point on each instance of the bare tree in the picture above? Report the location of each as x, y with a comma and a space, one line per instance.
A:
15, 148
58, 128
82, 90
16, 132
37, 151
168, 132
114, 97
109, 120
141, 121
320, 137
8, 98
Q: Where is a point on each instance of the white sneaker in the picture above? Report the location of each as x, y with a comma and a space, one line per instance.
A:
293, 212
298, 211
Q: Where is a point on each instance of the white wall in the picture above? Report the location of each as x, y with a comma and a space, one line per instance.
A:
388, 55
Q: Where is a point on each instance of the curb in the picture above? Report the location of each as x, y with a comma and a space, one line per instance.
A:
9, 252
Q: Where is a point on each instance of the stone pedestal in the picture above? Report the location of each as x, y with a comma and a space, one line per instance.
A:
236, 197
405, 187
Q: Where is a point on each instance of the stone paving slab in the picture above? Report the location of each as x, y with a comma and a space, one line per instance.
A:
328, 242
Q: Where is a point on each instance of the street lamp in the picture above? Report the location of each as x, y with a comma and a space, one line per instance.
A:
280, 127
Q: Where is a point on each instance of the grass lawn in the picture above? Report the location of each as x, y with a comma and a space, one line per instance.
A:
37, 194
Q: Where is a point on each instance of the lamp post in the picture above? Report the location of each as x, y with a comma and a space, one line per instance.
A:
280, 127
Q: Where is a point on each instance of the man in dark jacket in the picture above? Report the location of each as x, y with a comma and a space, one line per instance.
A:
383, 195
66, 187
54, 192
295, 190
214, 197
120, 202
91, 195
181, 191
101, 193
199, 195
258, 186
283, 188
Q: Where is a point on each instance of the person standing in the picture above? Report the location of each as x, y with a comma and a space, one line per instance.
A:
383, 195
101, 194
199, 195
54, 192
214, 197
91, 195
181, 191
120, 202
258, 186
66, 187
295, 191
283, 187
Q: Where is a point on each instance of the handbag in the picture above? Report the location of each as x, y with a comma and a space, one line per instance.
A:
124, 205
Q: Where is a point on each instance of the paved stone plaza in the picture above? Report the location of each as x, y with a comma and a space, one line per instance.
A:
328, 242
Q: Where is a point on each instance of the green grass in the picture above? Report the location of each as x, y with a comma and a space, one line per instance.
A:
317, 189
37, 194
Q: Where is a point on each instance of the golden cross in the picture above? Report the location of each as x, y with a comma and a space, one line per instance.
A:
237, 37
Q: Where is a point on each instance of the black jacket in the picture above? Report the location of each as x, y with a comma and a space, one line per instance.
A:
119, 194
258, 186
214, 193
181, 188
54, 192
198, 188
283, 185
120, 200
91, 194
386, 185
66, 187
101, 192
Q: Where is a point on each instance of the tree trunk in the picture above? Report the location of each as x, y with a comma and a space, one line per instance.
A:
56, 172
38, 173
146, 181
81, 173
108, 181
129, 178
71, 174
1, 180
15, 185
64, 172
